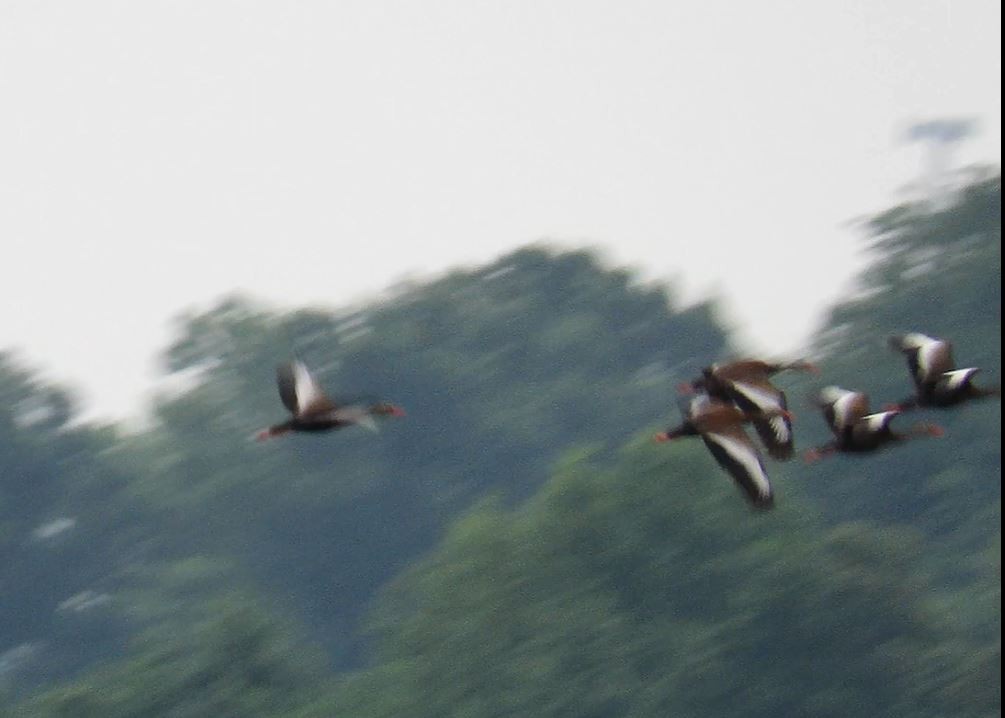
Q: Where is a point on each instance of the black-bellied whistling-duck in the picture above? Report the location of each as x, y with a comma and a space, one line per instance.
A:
313, 410
720, 426
842, 408
936, 380
855, 429
747, 383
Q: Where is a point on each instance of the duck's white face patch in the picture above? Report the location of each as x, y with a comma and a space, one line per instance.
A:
698, 404
356, 415
368, 423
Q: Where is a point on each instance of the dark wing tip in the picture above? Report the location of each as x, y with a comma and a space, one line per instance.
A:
779, 447
286, 381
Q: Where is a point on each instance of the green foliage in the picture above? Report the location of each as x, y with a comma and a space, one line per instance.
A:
651, 590
62, 535
235, 664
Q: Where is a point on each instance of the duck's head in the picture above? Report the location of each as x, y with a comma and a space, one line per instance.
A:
688, 388
803, 365
684, 429
386, 409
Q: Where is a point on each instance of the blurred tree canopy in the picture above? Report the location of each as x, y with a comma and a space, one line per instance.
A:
513, 547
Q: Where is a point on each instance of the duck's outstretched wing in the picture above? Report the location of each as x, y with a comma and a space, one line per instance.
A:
764, 398
956, 380
735, 453
928, 358
842, 408
300, 391
872, 425
356, 414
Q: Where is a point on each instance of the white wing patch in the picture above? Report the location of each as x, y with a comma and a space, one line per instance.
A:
780, 429
833, 394
878, 421
954, 380
765, 401
306, 388
916, 340
926, 354
843, 407
747, 457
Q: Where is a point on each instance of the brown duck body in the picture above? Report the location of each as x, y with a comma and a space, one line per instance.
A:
870, 433
720, 426
747, 383
855, 429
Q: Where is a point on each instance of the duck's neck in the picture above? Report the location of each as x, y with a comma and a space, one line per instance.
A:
685, 429
986, 392
919, 430
820, 452
275, 430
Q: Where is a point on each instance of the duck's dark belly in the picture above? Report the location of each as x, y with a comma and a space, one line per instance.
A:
863, 443
942, 399
315, 426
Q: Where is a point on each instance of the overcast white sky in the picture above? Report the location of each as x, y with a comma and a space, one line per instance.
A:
156, 154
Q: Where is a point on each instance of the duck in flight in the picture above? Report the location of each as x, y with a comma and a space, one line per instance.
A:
747, 383
313, 410
855, 429
937, 382
720, 426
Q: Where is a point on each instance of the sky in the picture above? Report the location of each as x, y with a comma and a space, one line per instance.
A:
156, 155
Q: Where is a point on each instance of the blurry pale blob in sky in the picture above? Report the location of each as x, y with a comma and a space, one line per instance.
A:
157, 155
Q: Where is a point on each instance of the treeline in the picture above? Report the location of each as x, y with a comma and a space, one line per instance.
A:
516, 546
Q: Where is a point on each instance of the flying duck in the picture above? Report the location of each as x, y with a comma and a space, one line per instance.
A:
855, 429
936, 380
720, 426
313, 410
747, 383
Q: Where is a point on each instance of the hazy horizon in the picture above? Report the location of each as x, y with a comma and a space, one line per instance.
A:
157, 157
